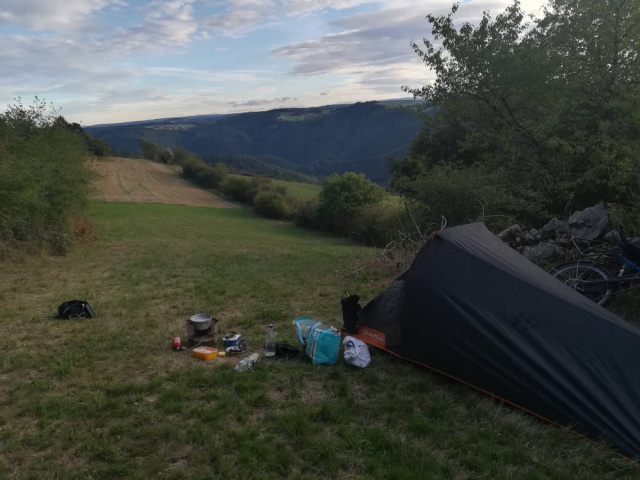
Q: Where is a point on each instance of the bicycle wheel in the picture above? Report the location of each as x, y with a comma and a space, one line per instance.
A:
574, 273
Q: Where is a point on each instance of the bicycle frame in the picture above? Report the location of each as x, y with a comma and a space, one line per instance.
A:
631, 278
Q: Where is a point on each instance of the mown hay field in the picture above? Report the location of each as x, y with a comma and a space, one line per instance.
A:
143, 181
107, 398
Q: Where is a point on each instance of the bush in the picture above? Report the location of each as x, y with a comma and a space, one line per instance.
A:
271, 205
305, 213
238, 189
44, 179
469, 194
379, 224
150, 150
344, 197
96, 146
195, 170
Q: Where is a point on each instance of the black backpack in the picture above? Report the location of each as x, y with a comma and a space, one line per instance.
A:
350, 310
75, 309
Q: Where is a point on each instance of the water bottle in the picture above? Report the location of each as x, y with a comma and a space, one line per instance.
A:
270, 343
247, 363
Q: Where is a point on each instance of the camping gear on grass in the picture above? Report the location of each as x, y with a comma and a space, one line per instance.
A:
202, 329
356, 352
235, 349
232, 339
75, 309
270, 343
322, 342
350, 310
247, 363
177, 344
475, 310
285, 350
207, 353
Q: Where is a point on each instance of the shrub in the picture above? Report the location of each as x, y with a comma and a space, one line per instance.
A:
44, 178
379, 224
305, 213
238, 189
150, 150
468, 194
343, 197
271, 205
194, 169
96, 146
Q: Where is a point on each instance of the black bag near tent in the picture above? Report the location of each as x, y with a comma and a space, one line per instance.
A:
475, 310
75, 309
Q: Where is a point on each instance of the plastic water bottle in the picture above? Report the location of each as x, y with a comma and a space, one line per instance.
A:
247, 363
270, 343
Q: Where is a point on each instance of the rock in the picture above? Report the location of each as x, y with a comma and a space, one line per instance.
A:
542, 251
590, 223
512, 235
533, 236
554, 228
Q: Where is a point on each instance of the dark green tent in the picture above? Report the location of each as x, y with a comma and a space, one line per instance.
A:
475, 310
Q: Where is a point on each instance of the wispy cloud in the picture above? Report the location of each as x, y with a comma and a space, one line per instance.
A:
52, 14
373, 49
261, 102
302, 7
239, 17
111, 60
212, 76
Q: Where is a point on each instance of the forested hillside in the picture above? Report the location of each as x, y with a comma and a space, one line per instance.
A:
313, 141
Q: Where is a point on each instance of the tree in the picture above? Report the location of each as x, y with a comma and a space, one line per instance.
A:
595, 48
343, 197
551, 105
150, 150
271, 204
94, 145
44, 178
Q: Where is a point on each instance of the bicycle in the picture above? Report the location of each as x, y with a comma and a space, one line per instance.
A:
590, 276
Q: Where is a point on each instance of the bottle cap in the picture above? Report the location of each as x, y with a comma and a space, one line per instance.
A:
271, 325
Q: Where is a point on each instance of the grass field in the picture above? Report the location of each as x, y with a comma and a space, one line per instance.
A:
106, 398
144, 181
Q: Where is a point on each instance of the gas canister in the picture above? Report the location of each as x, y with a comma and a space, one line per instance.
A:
231, 339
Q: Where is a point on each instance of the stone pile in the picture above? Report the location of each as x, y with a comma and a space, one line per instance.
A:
551, 240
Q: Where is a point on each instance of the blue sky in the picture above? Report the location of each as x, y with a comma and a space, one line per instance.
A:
103, 61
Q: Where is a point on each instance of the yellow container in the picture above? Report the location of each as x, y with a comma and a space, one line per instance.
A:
207, 353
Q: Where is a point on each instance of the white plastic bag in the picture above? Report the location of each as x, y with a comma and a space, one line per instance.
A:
356, 352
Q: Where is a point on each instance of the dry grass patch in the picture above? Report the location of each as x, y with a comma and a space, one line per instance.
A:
144, 181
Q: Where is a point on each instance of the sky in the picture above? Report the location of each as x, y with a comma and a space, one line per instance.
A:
106, 61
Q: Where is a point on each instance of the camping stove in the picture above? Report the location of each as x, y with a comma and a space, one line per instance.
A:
202, 329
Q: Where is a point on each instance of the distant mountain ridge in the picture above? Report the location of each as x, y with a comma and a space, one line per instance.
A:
313, 141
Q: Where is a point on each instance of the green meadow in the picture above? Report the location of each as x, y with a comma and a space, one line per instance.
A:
107, 398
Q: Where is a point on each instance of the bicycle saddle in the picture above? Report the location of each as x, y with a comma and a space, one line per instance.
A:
629, 249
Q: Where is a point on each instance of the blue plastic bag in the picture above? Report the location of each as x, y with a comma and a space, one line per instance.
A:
321, 342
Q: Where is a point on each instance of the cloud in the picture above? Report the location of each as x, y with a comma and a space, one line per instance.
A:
302, 7
259, 102
239, 17
74, 55
212, 76
52, 14
372, 50
376, 38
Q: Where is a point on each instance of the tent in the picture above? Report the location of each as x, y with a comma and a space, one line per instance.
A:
475, 310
